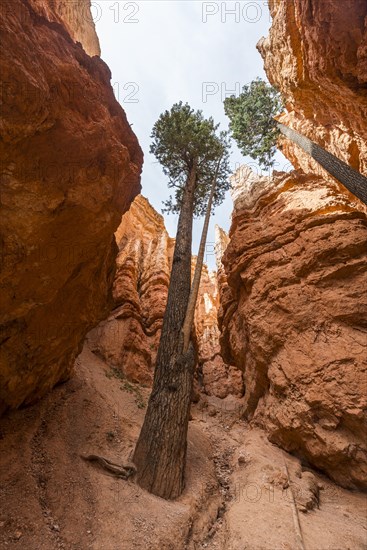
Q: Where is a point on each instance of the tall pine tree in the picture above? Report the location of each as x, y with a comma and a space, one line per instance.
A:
188, 147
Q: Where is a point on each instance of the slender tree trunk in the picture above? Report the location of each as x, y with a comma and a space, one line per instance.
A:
160, 453
190, 313
355, 182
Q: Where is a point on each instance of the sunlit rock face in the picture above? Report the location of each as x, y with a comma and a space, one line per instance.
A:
294, 316
70, 167
316, 55
76, 16
129, 338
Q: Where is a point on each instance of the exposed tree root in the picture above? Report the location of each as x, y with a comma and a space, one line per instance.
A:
123, 472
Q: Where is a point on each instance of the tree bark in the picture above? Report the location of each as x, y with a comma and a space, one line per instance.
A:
190, 313
355, 182
160, 453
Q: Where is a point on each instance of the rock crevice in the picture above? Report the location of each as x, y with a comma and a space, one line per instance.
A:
129, 338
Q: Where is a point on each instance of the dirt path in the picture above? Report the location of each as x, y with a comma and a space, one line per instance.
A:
257, 497
235, 499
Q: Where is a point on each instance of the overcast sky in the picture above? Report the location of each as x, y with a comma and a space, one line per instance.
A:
164, 51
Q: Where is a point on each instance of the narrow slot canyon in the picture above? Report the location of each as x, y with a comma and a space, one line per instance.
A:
276, 445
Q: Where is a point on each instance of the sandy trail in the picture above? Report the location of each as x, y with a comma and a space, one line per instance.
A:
235, 499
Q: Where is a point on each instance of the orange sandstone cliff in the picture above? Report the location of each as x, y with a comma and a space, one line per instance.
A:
75, 16
70, 166
293, 312
293, 317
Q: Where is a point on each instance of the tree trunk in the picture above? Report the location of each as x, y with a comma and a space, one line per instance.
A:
355, 182
190, 313
160, 453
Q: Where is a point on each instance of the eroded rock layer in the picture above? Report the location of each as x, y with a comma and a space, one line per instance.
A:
294, 316
316, 56
70, 166
129, 338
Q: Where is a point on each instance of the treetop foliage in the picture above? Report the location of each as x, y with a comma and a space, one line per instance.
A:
252, 122
182, 137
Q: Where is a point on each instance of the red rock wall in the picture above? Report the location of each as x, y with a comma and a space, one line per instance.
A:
294, 317
75, 16
293, 310
70, 166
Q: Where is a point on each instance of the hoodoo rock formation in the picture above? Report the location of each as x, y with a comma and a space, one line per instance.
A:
217, 377
70, 166
316, 56
129, 338
294, 316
